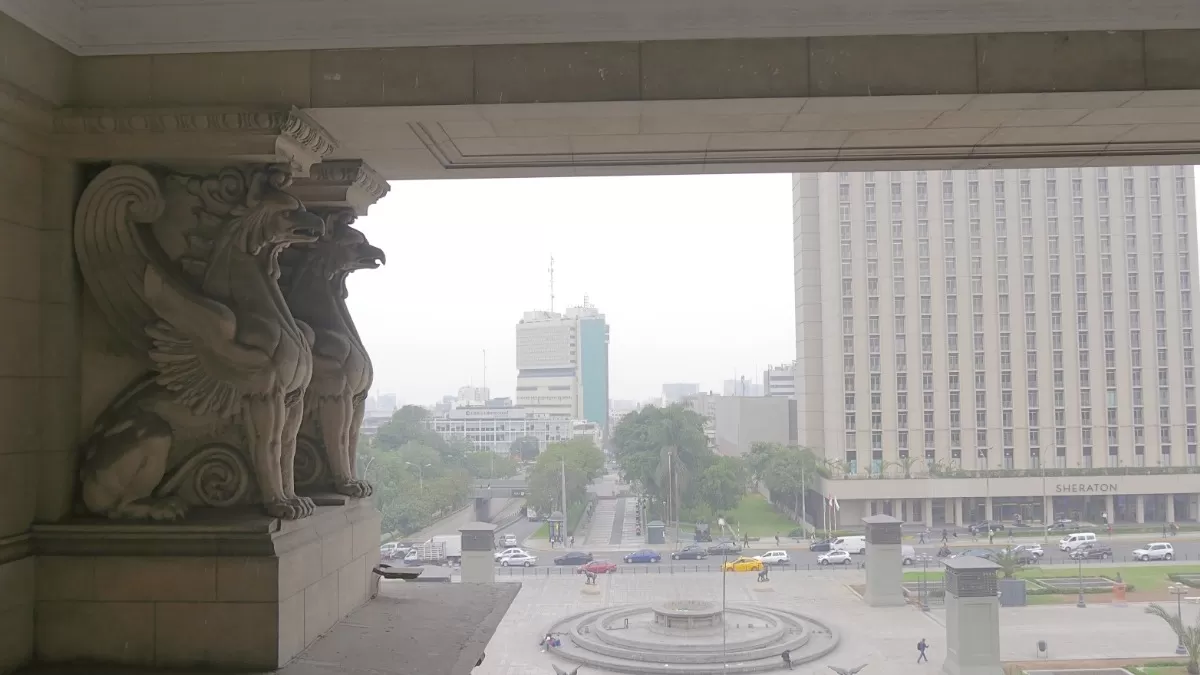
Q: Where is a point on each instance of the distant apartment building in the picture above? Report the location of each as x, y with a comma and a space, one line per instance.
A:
495, 429
780, 380
1017, 320
562, 364
742, 387
675, 392
471, 395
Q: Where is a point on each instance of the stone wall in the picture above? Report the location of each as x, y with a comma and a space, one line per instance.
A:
38, 358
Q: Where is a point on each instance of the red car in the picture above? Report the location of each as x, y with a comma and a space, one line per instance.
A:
597, 567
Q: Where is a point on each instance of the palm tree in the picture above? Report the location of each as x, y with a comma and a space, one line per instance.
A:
1189, 636
1009, 562
905, 465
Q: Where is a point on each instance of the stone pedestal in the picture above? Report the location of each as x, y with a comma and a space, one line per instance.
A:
885, 564
972, 617
478, 565
226, 589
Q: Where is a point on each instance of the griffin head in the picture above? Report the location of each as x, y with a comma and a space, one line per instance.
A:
847, 671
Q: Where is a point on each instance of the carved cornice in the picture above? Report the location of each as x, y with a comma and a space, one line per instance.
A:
183, 134
335, 184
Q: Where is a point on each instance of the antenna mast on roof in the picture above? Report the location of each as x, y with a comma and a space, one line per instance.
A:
551, 284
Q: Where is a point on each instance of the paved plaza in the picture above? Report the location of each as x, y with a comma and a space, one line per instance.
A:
885, 638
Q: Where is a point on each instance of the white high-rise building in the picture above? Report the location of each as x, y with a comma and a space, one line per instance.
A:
562, 363
1036, 323
780, 380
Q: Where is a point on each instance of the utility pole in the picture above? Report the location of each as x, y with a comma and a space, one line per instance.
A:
563, 464
803, 500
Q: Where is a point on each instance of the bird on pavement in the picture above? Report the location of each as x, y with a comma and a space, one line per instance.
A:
847, 671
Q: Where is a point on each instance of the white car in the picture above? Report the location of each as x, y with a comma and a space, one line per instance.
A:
519, 560
501, 555
838, 557
1155, 551
508, 540
774, 558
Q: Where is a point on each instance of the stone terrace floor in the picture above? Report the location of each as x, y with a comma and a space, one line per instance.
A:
439, 629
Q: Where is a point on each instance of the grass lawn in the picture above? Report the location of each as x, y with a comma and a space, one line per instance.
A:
756, 518
1145, 578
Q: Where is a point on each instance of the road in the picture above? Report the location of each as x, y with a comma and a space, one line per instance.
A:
1185, 551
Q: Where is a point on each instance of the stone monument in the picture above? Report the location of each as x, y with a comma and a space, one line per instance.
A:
972, 617
478, 563
885, 563
217, 522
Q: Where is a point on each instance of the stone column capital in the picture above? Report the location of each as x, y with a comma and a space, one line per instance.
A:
185, 135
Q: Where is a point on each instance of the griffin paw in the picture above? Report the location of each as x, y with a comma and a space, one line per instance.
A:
170, 508
354, 488
288, 509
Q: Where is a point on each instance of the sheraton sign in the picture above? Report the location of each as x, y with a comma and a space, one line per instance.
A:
1084, 488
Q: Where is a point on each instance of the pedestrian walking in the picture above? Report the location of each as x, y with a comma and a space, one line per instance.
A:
787, 658
572, 540
921, 647
777, 539
921, 538
945, 536
991, 536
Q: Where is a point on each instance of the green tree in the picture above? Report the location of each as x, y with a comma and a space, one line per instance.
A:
525, 448
758, 460
488, 464
722, 485
663, 448
1009, 562
790, 473
1188, 636
583, 463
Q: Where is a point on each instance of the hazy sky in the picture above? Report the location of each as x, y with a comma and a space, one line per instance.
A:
694, 274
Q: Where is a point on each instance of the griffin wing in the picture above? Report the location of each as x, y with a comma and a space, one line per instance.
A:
190, 339
112, 254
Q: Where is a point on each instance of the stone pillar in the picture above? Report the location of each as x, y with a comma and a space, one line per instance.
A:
478, 541
1110, 507
972, 617
1141, 508
958, 512
948, 507
898, 509
1170, 508
1048, 507
928, 512
987, 505
885, 571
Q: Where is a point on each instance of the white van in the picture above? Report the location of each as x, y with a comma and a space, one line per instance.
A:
854, 544
908, 555
1073, 541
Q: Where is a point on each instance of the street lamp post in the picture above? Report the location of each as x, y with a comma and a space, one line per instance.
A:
1081, 604
1179, 590
724, 639
420, 473
924, 559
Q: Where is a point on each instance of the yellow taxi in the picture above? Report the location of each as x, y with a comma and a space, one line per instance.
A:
743, 565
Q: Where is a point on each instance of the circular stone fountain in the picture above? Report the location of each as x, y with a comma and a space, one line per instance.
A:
686, 636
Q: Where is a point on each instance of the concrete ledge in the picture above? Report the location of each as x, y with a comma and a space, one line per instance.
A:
223, 590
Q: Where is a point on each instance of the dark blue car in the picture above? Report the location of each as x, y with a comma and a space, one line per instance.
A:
643, 556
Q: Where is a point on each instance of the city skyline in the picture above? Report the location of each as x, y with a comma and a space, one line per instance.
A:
692, 272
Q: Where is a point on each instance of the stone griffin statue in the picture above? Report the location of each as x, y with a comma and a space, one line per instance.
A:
185, 268
314, 284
